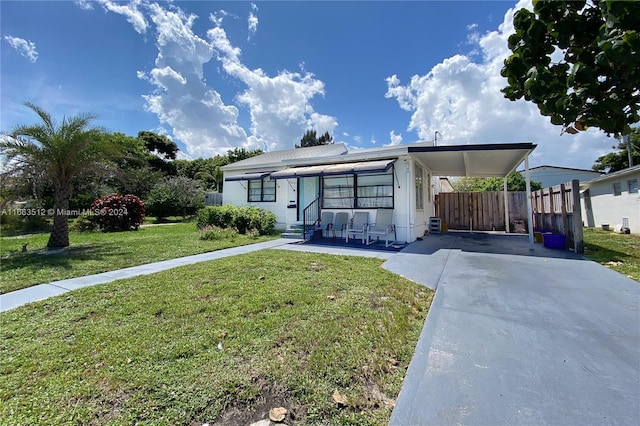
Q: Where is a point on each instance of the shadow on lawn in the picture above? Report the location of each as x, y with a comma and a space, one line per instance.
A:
603, 254
56, 258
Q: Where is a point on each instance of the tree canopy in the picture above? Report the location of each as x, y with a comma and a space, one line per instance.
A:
619, 159
310, 138
578, 62
515, 182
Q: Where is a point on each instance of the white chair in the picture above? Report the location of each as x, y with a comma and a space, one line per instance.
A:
340, 223
358, 226
383, 227
326, 222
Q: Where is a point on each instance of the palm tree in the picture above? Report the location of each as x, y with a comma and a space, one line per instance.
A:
61, 153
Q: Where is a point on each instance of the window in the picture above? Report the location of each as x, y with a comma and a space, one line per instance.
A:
358, 191
617, 188
374, 190
633, 186
338, 192
419, 188
262, 190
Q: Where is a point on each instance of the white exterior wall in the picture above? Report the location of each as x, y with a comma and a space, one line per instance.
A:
236, 193
610, 209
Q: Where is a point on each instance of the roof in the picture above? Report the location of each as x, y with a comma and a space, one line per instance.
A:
482, 160
276, 158
613, 175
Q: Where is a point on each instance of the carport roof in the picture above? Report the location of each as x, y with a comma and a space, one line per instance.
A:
480, 160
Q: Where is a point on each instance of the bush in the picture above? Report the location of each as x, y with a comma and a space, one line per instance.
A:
84, 223
175, 196
20, 224
246, 219
161, 203
216, 233
118, 213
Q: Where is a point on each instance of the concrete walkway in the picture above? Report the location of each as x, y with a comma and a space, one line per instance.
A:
517, 337
43, 291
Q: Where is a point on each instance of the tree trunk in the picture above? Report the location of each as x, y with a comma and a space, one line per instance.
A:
59, 237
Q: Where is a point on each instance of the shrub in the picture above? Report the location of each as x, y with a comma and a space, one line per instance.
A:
84, 223
20, 224
216, 233
118, 213
175, 196
244, 219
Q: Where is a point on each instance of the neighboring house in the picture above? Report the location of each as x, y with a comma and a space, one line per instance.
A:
444, 185
397, 177
610, 198
552, 175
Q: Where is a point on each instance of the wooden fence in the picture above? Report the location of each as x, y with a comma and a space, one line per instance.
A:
557, 209
482, 211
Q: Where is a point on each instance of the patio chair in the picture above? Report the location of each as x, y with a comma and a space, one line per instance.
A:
326, 223
340, 223
358, 226
383, 227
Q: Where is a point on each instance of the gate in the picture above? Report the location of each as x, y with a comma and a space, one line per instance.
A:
482, 211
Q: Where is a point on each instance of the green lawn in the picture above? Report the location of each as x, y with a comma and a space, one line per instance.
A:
293, 327
95, 252
620, 252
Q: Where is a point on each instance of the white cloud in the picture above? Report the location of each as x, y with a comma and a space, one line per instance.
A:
279, 106
461, 99
130, 11
196, 113
252, 22
84, 4
395, 139
218, 16
25, 48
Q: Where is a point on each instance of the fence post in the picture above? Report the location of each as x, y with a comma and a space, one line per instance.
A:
506, 205
578, 241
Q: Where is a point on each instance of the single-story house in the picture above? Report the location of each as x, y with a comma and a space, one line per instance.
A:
612, 198
402, 178
553, 175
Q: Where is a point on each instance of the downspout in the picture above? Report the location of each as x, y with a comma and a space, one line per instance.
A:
529, 209
410, 194
506, 206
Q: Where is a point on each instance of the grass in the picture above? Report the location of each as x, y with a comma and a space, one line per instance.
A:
95, 252
293, 327
620, 252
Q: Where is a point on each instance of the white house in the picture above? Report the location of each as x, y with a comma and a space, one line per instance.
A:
400, 177
553, 175
611, 198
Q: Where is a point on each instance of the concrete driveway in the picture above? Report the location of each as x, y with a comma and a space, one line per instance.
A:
516, 337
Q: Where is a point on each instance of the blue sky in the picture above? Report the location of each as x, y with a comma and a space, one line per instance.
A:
217, 75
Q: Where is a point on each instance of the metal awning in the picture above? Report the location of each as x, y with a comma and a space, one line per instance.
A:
378, 166
480, 160
247, 176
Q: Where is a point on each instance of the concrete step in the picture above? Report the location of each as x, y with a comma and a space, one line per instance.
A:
291, 235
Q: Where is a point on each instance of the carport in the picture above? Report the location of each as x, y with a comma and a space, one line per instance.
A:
481, 160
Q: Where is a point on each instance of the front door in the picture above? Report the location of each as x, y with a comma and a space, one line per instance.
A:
308, 190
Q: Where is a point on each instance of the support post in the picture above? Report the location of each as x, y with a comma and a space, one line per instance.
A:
578, 239
529, 209
506, 206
